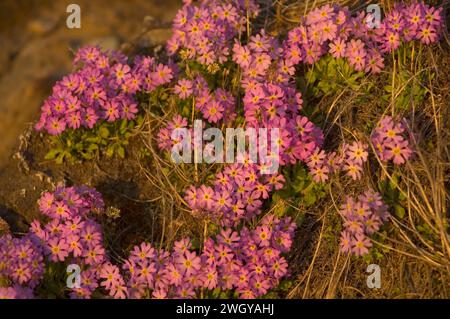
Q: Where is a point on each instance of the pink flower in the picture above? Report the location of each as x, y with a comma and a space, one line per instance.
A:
262, 236
162, 75
55, 126
210, 281
94, 255
361, 245
206, 197
188, 263
241, 55
357, 152
111, 112
183, 89
145, 272
374, 62
142, 253
110, 274
129, 110
74, 244
58, 249
338, 48
213, 112
346, 242
398, 151
353, 170
427, 34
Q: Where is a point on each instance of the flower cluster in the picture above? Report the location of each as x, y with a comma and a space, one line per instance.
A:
362, 217
21, 263
248, 262
389, 141
271, 106
102, 88
16, 292
69, 236
215, 106
321, 164
238, 193
204, 32
332, 29
354, 158
271, 101
350, 159
72, 235
417, 21
239, 190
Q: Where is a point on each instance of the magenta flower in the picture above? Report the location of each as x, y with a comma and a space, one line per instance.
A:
361, 219
213, 112
338, 48
184, 88
129, 110
58, 249
55, 126
346, 242
188, 263
111, 276
399, 152
360, 245
142, 253
390, 141
357, 152
145, 273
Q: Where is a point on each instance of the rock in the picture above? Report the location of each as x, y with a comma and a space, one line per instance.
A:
4, 60
107, 43
154, 38
148, 21
41, 26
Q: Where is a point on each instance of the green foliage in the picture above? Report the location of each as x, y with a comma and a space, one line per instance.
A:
407, 90
298, 191
279, 292
392, 195
376, 253
4, 282
218, 293
156, 100
84, 144
330, 75
333, 230
216, 75
300, 185
53, 284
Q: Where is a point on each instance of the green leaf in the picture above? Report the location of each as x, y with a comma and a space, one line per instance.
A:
216, 293
60, 158
399, 211
286, 284
123, 125
103, 132
110, 151
95, 140
52, 154
121, 151
310, 198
